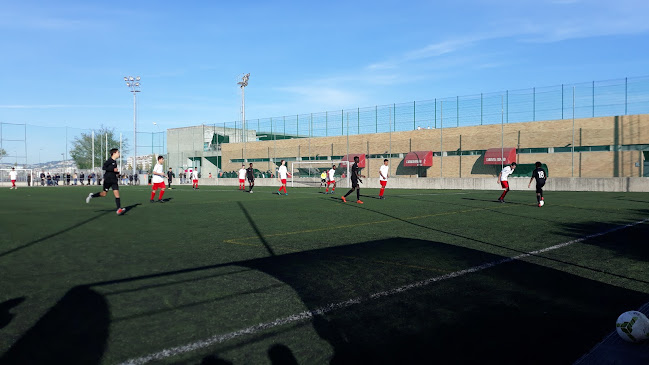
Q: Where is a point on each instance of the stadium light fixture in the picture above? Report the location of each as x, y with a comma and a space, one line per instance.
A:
135, 88
242, 84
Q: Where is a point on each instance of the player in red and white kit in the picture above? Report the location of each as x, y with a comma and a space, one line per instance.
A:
331, 179
282, 174
195, 179
502, 180
383, 177
12, 176
242, 178
158, 180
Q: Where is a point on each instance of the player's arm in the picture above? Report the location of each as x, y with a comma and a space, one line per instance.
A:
531, 178
499, 175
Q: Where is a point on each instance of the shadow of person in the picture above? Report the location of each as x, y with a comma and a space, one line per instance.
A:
73, 331
5, 315
281, 355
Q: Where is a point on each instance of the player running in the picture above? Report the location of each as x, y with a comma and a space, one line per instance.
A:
383, 177
331, 179
541, 177
250, 174
158, 180
502, 180
110, 181
356, 178
242, 178
195, 178
282, 173
12, 176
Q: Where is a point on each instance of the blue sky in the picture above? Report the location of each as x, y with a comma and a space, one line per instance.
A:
63, 62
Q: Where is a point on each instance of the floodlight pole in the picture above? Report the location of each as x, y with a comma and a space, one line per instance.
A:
134, 84
242, 84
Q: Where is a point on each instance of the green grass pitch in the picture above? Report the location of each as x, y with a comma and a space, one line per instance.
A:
217, 276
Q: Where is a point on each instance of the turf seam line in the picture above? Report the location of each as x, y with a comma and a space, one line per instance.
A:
344, 304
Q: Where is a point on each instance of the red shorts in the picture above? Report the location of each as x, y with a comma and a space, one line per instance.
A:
160, 185
283, 181
504, 184
13, 181
383, 183
195, 181
331, 182
241, 181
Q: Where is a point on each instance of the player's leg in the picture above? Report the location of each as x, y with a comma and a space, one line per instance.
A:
153, 190
162, 192
383, 184
334, 188
505, 186
118, 203
358, 195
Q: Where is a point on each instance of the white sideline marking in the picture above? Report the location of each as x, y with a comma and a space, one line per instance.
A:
341, 305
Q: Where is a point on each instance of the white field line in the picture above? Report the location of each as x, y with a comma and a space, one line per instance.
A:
173, 351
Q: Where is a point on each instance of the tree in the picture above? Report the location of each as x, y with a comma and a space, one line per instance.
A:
3, 153
81, 151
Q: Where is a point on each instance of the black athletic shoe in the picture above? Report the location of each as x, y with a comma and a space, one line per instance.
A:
152, 201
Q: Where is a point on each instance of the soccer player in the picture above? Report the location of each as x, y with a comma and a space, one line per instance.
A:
170, 176
250, 174
356, 178
502, 180
12, 176
158, 180
282, 173
541, 176
242, 178
110, 181
323, 179
195, 178
331, 179
383, 177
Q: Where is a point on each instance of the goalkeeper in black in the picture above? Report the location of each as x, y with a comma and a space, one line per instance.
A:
356, 178
110, 180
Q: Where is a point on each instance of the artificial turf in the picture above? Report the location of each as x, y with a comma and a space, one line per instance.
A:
305, 278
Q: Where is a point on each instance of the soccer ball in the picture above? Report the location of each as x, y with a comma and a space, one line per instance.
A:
541, 203
632, 326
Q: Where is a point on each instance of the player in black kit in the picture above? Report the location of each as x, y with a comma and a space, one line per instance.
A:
110, 180
170, 176
250, 174
540, 175
356, 178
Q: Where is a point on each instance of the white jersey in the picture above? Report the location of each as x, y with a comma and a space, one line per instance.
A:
505, 173
157, 178
331, 174
13, 174
242, 174
194, 175
282, 172
384, 172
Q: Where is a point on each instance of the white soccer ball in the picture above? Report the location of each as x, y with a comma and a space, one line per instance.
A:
632, 326
541, 203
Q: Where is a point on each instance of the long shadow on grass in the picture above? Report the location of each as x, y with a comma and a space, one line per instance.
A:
73, 331
501, 314
595, 227
45, 238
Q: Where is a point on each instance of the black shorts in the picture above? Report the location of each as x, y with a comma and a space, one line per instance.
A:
323, 180
539, 186
354, 183
252, 181
111, 184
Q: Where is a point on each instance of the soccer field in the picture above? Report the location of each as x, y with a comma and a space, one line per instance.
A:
217, 276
